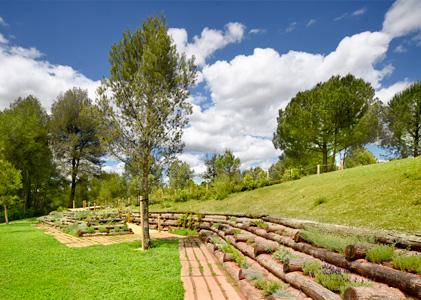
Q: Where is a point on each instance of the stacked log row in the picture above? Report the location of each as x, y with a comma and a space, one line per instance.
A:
257, 240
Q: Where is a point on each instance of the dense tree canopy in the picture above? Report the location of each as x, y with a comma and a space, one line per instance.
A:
403, 117
24, 135
144, 101
327, 119
180, 174
76, 135
10, 183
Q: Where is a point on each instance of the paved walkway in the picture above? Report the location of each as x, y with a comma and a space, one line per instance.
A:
78, 242
202, 275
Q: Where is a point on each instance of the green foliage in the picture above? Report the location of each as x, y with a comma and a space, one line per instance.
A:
312, 268
260, 223
24, 143
103, 229
403, 119
75, 229
115, 269
267, 287
90, 230
186, 221
332, 116
236, 255
76, 135
407, 263
320, 200
10, 183
333, 241
283, 255
381, 253
358, 156
180, 175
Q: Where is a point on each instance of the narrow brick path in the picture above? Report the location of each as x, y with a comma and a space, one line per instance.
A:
202, 276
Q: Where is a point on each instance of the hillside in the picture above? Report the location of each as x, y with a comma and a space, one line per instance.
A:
382, 196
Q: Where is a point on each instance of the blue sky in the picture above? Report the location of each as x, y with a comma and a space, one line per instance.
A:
67, 43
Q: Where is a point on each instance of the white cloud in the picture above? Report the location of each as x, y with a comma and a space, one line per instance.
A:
247, 91
340, 17
3, 40
403, 18
115, 167
195, 161
311, 22
208, 42
387, 93
417, 39
257, 30
23, 73
359, 12
2, 22
400, 49
291, 27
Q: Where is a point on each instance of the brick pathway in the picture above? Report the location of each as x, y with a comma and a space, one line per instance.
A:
202, 275
77, 242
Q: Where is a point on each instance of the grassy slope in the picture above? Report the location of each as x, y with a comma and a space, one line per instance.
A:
384, 196
36, 266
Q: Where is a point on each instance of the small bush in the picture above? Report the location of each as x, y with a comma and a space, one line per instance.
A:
282, 255
408, 263
312, 268
333, 241
184, 231
103, 229
90, 230
217, 226
334, 282
267, 287
381, 253
236, 255
260, 224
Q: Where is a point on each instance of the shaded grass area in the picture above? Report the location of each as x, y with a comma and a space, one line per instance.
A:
381, 196
34, 265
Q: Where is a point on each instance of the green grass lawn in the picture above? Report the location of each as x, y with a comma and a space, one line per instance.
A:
381, 196
34, 265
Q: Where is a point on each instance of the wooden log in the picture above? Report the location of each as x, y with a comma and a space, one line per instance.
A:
356, 251
248, 289
262, 245
244, 237
310, 287
407, 282
293, 265
281, 229
369, 293
204, 225
236, 272
245, 249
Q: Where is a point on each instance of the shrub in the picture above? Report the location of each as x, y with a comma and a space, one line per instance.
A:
408, 263
90, 230
333, 241
260, 224
267, 287
380, 253
319, 201
312, 268
236, 255
103, 229
184, 231
282, 255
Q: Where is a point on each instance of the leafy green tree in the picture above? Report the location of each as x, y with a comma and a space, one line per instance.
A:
210, 172
358, 156
10, 183
76, 135
180, 175
113, 187
403, 119
226, 164
145, 102
327, 119
24, 135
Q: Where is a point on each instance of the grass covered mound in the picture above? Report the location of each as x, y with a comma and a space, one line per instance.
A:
381, 196
34, 265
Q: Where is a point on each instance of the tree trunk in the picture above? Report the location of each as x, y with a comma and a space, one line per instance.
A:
357, 251
324, 153
6, 217
145, 210
73, 187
